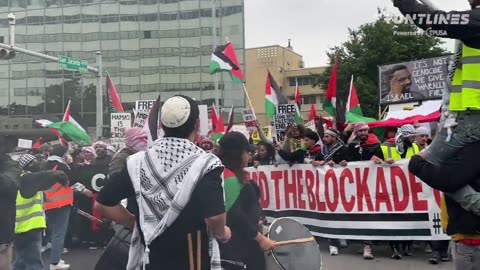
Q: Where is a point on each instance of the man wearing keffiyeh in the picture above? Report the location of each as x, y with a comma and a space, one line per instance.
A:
179, 206
400, 147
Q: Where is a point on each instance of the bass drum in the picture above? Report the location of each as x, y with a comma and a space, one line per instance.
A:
115, 256
304, 256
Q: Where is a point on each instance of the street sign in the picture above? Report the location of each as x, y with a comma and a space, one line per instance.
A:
72, 63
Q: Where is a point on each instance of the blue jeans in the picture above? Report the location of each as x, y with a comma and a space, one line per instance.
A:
28, 254
467, 131
57, 220
466, 257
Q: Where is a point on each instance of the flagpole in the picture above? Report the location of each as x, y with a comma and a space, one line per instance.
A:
248, 98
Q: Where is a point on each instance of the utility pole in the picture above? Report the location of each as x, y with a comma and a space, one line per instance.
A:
214, 45
8, 51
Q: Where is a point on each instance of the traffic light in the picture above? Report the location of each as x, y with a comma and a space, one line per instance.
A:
7, 54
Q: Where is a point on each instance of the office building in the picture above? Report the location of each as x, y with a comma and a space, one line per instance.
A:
149, 47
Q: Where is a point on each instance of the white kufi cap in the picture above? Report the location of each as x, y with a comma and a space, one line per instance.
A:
175, 112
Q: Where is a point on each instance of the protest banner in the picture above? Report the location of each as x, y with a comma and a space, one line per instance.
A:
362, 201
144, 105
413, 81
249, 119
139, 118
203, 115
266, 130
118, 124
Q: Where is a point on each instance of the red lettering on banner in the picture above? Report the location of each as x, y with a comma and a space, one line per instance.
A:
363, 192
399, 204
321, 205
347, 204
290, 188
330, 175
416, 187
264, 190
301, 202
438, 197
381, 192
310, 181
276, 176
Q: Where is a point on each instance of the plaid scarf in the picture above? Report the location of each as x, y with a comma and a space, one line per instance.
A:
164, 178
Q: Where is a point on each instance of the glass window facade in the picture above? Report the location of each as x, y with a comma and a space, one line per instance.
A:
149, 47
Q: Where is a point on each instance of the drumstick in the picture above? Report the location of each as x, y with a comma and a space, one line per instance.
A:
87, 215
199, 250
294, 241
190, 252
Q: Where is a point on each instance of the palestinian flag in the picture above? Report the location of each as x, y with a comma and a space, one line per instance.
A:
224, 58
354, 112
214, 116
152, 126
71, 132
298, 103
272, 97
113, 101
232, 187
329, 104
313, 113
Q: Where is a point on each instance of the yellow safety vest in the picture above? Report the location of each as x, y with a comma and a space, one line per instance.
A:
466, 81
29, 214
391, 152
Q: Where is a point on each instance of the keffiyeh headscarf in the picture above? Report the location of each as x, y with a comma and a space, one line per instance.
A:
403, 132
136, 138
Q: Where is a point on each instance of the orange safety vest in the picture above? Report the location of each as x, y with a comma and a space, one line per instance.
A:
58, 196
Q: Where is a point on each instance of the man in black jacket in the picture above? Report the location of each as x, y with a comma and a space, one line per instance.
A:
9, 183
464, 226
364, 146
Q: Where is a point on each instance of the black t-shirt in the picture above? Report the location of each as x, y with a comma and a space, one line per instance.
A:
170, 250
243, 219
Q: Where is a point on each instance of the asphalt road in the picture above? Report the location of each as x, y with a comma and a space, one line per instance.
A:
348, 259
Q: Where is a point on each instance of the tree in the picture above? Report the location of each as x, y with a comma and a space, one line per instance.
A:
371, 45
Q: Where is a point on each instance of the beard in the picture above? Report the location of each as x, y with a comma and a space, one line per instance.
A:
363, 138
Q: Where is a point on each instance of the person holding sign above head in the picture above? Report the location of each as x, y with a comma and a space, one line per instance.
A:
363, 146
402, 146
242, 203
312, 150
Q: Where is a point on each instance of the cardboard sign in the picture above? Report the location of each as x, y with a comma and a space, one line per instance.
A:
282, 122
118, 125
203, 119
266, 130
249, 119
140, 118
287, 109
311, 125
27, 144
144, 105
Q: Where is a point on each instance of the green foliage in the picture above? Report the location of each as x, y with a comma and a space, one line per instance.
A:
372, 45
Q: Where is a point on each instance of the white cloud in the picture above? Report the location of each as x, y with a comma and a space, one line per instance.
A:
315, 25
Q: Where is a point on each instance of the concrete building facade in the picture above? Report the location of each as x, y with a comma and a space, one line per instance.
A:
286, 67
149, 47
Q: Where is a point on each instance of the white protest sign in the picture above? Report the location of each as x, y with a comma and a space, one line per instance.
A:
203, 119
144, 105
22, 143
287, 109
362, 201
118, 125
249, 119
242, 129
139, 118
311, 125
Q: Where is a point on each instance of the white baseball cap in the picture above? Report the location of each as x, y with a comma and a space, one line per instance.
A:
175, 112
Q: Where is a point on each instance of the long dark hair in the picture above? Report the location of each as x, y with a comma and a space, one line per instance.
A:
232, 146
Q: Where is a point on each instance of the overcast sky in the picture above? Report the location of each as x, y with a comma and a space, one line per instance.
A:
315, 25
